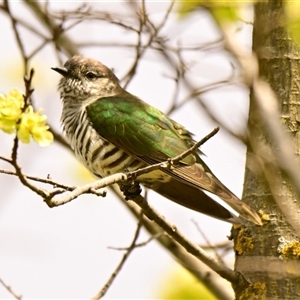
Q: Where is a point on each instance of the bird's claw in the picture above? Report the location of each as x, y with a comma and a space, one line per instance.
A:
130, 189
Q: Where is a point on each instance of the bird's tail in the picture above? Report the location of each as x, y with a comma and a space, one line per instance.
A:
199, 177
195, 199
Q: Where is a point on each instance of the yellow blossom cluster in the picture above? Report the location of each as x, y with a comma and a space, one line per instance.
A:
26, 124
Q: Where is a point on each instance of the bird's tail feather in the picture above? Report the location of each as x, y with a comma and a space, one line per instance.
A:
195, 199
196, 176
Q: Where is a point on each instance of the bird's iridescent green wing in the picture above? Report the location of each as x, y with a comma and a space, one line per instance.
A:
139, 129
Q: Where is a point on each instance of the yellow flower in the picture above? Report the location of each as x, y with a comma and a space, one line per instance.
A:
10, 110
16, 96
34, 124
27, 124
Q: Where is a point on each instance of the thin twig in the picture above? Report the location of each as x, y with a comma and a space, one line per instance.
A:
14, 162
17, 35
173, 162
8, 160
38, 179
208, 242
43, 193
145, 24
10, 290
196, 92
209, 87
101, 183
59, 38
225, 246
132, 246
142, 244
165, 18
138, 50
186, 153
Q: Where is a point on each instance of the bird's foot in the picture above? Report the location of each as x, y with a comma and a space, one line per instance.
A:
130, 189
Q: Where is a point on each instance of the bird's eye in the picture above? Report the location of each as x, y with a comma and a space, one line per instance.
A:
91, 75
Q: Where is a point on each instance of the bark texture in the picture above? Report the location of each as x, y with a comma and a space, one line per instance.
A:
269, 256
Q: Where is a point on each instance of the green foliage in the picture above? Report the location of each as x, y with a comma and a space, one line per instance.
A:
225, 12
292, 18
180, 284
222, 11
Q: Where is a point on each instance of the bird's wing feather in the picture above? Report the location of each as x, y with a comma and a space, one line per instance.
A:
139, 129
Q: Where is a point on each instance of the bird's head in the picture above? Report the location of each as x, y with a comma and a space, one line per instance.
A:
85, 79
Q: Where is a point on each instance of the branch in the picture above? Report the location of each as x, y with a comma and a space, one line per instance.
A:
189, 246
217, 285
86, 189
186, 153
38, 179
60, 39
14, 154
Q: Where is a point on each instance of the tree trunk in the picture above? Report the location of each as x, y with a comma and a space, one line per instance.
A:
268, 256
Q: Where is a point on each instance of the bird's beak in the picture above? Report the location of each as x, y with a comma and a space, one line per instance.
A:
62, 71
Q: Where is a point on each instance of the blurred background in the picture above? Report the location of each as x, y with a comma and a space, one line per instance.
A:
63, 252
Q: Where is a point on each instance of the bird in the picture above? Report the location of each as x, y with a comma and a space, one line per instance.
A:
110, 130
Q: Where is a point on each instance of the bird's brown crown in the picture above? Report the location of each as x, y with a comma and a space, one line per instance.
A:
86, 79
